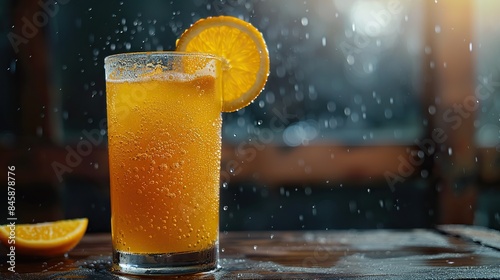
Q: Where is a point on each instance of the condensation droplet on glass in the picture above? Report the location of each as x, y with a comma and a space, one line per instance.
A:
350, 59
151, 30
331, 106
225, 208
347, 111
420, 154
388, 113
432, 110
450, 151
368, 68
308, 191
304, 21
354, 117
358, 99
270, 97
323, 41
437, 29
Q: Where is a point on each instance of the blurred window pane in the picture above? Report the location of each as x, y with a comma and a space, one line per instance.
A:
487, 88
341, 71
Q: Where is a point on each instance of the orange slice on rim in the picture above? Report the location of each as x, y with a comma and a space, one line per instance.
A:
243, 49
43, 239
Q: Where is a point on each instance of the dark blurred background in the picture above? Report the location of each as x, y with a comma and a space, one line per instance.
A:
376, 114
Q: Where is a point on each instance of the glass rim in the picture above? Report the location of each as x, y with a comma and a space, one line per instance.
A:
131, 55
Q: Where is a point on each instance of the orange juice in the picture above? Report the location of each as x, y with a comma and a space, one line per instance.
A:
164, 130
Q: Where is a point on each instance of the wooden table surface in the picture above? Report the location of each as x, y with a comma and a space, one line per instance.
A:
448, 252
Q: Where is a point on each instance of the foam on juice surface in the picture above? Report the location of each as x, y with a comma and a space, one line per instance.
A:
158, 73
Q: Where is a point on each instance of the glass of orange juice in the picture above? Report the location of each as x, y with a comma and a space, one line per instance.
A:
164, 128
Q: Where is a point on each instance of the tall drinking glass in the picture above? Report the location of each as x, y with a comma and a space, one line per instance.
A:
164, 129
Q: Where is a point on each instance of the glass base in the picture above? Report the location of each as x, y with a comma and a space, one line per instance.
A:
166, 264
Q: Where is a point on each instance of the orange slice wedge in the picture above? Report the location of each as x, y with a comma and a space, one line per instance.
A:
43, 239
243, 49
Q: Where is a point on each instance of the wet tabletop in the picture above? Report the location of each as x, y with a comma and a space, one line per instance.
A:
448, 252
